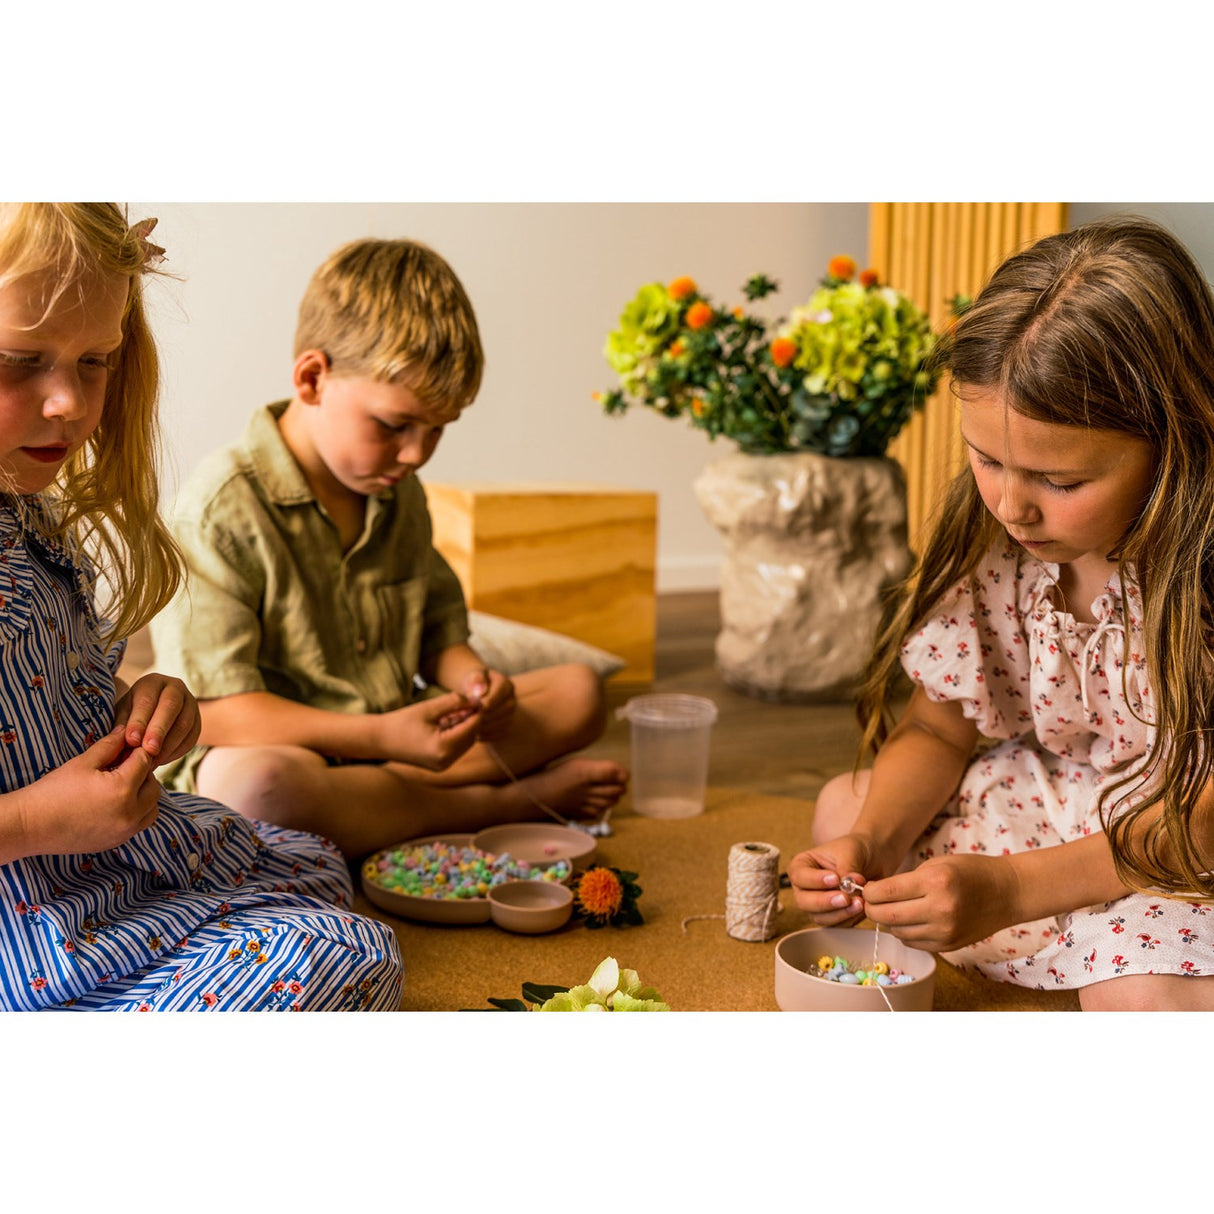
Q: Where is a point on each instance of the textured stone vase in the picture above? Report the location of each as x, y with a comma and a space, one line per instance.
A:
811, 544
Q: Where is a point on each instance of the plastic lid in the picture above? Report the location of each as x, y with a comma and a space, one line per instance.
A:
671, 711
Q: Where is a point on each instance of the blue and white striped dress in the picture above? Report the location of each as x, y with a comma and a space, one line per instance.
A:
202, 910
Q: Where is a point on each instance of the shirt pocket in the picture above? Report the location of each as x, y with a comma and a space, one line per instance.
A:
402, 609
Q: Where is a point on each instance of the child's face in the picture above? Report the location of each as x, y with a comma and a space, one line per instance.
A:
372, 435
1065, 493
53, 371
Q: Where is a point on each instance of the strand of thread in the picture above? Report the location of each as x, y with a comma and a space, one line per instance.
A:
751, 892
600, 827
850, 887
525, 791
876, 945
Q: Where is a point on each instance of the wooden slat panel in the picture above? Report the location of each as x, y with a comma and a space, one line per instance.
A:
932, 251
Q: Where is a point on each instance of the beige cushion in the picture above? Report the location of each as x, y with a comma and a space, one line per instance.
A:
514, 648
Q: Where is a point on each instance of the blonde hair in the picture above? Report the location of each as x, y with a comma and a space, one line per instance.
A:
394, 311
106, 496
1108, 326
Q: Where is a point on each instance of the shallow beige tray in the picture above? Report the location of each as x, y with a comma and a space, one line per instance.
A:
532, 843
428, 910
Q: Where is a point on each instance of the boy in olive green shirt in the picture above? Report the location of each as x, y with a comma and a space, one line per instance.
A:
315, 595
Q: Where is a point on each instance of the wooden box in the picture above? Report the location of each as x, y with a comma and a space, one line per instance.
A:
573, 558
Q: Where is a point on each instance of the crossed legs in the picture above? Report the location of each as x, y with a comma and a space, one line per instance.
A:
365, 806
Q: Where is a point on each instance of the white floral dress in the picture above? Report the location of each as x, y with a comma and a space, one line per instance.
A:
1048, 689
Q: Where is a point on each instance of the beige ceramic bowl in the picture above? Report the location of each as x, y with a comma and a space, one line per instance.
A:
799, 991
530, 907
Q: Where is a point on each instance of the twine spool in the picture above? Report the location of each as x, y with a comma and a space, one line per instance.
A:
752, 892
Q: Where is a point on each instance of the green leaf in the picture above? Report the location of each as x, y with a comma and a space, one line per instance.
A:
509, 1005
536, 992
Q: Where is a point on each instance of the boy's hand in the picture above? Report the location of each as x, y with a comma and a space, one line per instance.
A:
947, 902
160, 716
815, 876
93, 802
494, 693
431, 733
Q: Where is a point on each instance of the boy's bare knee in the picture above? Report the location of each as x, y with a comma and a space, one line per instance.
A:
838, 805
278, 784
582, 703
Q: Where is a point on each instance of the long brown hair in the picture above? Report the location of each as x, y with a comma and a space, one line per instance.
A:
1108, 326
107, 495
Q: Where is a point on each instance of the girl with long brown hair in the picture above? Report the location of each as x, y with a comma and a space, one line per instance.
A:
1042, 812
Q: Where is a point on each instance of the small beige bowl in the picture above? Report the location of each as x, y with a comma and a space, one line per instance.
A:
530, 907
799, 991
540, 844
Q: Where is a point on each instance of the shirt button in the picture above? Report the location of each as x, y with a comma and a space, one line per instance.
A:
192, 859
73, 660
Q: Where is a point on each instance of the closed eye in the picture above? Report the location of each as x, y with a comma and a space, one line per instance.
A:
1053, 486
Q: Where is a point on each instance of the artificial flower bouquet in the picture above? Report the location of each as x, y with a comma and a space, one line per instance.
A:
839, 377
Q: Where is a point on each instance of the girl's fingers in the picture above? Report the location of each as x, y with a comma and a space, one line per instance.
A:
106, 751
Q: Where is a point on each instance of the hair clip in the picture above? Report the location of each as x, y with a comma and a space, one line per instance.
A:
153, 254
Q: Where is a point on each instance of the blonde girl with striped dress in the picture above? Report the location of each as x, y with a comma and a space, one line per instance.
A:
115, 894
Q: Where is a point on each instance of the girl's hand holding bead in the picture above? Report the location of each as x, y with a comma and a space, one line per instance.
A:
945, 903
161, 716
816, 877
93, 802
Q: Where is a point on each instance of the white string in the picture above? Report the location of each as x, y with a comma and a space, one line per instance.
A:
848, 886
601, 827
751, 892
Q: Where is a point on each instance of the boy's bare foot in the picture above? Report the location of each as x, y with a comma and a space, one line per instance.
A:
578, 787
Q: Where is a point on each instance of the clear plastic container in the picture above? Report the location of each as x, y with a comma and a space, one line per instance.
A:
670, 736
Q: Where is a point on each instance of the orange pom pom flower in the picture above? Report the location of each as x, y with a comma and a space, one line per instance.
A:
699, 315
681, 288
604, 895
783, 351
842, 267
868, 278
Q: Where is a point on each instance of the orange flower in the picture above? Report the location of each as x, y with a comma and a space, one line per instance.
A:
599, 892
783, 351
842, 267
681, 288
697, 407
699, 315
738, 313
676, 348
868, 278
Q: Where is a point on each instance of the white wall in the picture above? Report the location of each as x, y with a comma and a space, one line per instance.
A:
1191, 222
547, 280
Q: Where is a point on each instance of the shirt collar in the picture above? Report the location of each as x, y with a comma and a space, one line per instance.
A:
277, 469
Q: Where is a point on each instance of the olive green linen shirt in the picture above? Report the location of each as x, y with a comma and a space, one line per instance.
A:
271, 602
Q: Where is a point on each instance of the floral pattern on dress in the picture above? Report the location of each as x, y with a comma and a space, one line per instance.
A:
1064, 710
201, 910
